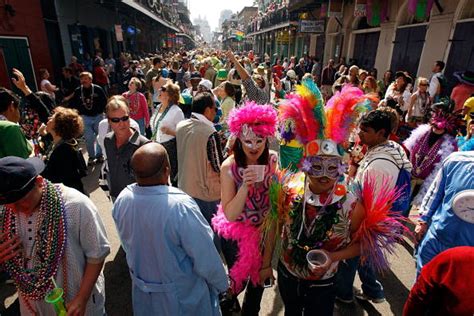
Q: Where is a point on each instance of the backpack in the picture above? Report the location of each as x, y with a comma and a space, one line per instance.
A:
443, 87
403, 186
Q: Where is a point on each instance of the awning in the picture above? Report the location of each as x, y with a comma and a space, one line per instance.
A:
186, 35
274, 27
143, 10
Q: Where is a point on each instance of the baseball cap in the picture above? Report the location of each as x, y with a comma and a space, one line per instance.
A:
18, 177
291, 73
206, 84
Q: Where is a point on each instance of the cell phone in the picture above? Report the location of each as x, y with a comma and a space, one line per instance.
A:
268, 283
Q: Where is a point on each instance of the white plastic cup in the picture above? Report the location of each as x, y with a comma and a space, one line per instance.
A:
316, 258
259, 171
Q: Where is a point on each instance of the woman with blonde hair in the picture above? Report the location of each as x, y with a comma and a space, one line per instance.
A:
163, 124
65, 163
418, 110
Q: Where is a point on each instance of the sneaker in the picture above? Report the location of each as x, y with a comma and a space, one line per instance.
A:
91, 162
363, 297
344, 301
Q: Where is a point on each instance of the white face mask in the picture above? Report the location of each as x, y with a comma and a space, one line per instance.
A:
250, 139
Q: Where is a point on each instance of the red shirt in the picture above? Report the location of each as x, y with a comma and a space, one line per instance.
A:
278, 70
445, 285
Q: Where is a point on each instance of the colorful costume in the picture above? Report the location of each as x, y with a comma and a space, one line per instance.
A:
323, 221
249, 121
428, 150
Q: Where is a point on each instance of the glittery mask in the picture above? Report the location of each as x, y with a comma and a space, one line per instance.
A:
323, 166
250, 140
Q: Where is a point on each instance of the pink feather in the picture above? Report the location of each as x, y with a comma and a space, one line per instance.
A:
341, 114
249, 257
261, 118
381, 228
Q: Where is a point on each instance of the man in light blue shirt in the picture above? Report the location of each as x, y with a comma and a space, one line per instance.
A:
447, 211
174, 266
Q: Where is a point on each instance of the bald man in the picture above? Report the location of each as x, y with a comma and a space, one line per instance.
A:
174, 266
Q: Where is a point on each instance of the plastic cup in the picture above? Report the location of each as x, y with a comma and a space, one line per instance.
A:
316, 258
55, 297
259, 170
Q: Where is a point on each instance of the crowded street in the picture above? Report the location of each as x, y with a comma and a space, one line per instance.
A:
257, 157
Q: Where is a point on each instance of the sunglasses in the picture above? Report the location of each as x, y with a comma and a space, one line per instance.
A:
423, 84
118, 119
163, 89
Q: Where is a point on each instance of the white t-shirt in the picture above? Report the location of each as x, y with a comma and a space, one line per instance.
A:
43, 85
171, 119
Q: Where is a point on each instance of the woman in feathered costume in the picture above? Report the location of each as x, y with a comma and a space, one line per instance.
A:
322, 215
245, 182
429, 145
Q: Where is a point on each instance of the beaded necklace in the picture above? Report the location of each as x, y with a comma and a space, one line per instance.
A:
425, 157
50, 244
87, 102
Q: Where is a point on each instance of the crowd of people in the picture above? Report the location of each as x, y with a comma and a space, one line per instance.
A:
218, 162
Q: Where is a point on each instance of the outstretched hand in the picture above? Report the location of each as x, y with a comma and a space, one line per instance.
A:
20, 81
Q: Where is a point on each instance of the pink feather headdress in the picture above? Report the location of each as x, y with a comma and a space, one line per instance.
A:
444, 120
261, 119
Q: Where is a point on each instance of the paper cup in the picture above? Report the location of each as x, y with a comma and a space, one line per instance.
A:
316, 258
259, 170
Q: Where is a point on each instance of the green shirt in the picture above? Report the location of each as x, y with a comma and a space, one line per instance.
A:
12, 141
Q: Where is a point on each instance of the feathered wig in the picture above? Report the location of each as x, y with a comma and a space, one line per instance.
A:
261, 119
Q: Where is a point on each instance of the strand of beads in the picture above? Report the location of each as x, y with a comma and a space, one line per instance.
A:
50, 242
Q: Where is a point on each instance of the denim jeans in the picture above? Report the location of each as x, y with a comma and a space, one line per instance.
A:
304, 297
91, 130
345, 280
208, 210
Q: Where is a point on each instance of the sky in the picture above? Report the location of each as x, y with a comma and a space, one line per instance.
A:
211, 9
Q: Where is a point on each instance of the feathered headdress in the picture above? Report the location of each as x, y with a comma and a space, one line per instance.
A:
322, 130
445, 120
260, 119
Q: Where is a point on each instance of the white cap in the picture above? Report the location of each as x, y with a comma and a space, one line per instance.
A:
206, 84
291, 73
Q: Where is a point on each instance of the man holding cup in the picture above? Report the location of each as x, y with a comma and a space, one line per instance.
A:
321, 226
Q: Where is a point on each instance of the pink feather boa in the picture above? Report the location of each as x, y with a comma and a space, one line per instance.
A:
249, 257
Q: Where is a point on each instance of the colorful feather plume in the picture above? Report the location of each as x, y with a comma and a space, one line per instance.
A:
381, 228
303, 111
281, 197
341, 113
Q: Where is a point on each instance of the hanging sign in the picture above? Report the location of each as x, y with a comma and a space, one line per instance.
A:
118, 33
360, 8
311, 26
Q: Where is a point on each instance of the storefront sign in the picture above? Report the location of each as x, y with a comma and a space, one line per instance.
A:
335, 8
118, 33
283, 37
311, 26
360, 8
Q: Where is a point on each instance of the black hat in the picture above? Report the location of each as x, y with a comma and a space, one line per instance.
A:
196, 75
18, 177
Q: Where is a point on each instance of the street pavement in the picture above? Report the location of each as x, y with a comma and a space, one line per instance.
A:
397, 282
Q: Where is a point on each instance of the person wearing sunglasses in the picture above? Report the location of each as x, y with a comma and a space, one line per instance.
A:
419, 108
120, 145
